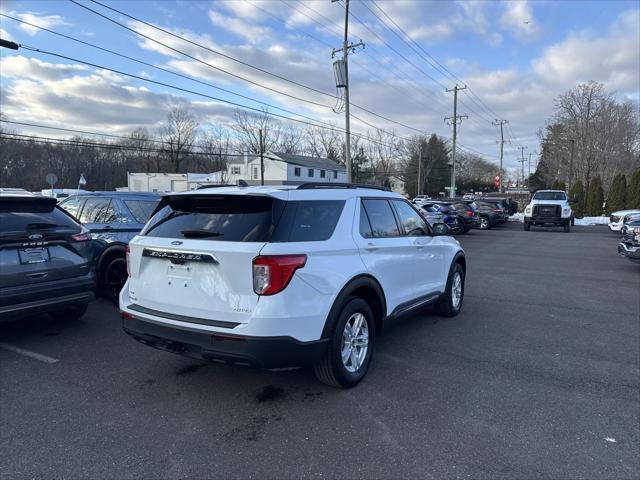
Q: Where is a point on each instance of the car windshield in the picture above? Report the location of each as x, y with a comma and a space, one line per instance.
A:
550, 196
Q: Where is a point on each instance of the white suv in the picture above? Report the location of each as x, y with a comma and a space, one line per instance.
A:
279, 277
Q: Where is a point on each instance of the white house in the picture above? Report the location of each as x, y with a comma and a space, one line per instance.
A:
280, 169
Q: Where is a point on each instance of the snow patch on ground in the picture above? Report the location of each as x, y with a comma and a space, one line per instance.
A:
519, 217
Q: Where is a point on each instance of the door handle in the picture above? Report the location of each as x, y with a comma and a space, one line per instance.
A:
371, 247
419, 245
107, 227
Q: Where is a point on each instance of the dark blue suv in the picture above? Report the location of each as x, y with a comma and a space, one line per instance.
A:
113, 218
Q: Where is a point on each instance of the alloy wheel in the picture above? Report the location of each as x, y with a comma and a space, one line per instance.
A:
355, 342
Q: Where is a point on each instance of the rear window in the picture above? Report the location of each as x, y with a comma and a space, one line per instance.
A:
24, 219
229, 218
141, 209
236, 218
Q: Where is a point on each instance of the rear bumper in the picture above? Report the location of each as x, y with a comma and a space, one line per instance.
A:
630, 251
259, 352
25, 300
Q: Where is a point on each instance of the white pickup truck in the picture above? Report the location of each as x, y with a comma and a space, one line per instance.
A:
548, 208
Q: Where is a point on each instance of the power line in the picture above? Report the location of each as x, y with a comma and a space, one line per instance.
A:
240, 77
431, 61
360, 64
110, 146
225, 71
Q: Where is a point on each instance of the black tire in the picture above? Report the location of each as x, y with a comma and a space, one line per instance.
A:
567, 227
330, 369
114, 277
484, 223
527, 226
573, 221
70, 314
446, 306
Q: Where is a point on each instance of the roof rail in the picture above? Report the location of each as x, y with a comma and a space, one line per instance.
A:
215, 186
321, 185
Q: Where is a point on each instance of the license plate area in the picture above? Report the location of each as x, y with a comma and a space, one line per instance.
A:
34, 255
179, 275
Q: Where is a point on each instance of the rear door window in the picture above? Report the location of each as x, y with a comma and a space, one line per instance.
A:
381, 217
308, 221
141, 209
98, 210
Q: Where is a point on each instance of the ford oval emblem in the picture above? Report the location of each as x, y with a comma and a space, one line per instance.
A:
176, 242
35, 236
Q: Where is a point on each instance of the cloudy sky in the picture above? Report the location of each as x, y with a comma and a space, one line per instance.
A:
515, 57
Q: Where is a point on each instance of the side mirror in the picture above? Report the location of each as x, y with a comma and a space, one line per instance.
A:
441, 229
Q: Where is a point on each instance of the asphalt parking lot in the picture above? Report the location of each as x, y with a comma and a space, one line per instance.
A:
539, 377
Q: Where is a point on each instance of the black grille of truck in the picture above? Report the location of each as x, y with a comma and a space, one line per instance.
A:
547, 210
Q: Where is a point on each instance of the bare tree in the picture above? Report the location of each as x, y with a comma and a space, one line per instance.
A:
215, 145
178, 133
325, 142
248, 126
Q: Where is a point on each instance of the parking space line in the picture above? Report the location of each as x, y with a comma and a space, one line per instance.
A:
28, 353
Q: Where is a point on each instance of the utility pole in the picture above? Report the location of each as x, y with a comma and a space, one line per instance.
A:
573, 144
261, 159
501, 123
522, 160
419, 186
529, 174
346, 48
454, 120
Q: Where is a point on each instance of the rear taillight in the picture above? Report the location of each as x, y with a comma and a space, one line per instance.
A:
470, 213
272, 273
83, 236
128, 262
497, 210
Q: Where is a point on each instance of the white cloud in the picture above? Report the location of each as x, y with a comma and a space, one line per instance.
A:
613, 59
244, 10
519, 19
248, 30
45, 21
17, 66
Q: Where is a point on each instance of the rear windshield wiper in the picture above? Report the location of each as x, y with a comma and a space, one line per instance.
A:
200, 233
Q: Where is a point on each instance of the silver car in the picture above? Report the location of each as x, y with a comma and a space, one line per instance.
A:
431, 214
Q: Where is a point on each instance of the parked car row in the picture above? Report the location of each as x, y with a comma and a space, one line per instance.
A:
461, 215
627, 223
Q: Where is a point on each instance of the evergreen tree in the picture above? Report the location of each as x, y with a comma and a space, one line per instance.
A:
595, 197
558, 185
577, 194
633, 191
617, 198
437, 156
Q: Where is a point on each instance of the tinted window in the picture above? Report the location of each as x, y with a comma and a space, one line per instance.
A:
306, 221
225, 218
141, 209
365, 226
22, 219
412, 223
72, 205
549, 196
383, 222
97, 210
